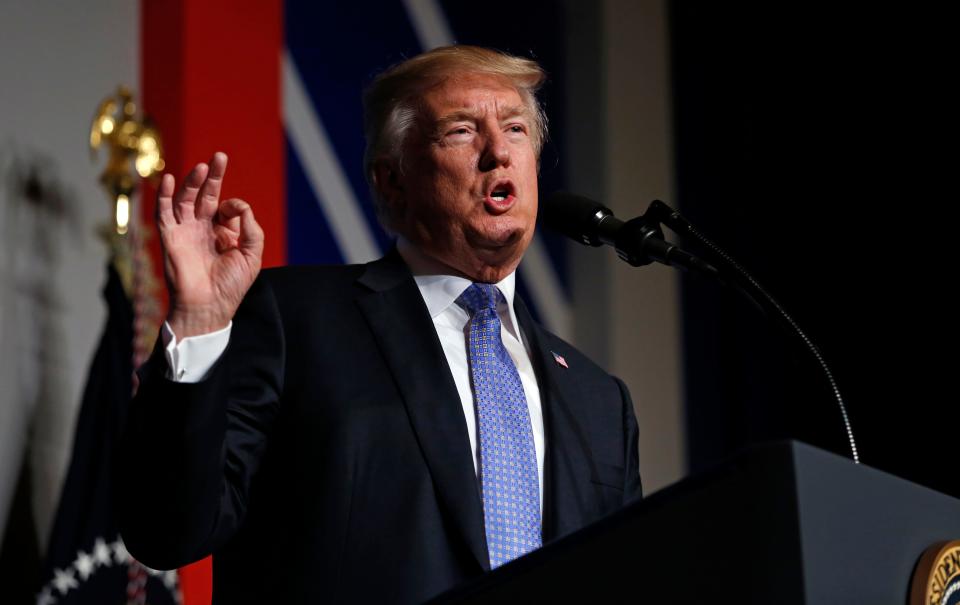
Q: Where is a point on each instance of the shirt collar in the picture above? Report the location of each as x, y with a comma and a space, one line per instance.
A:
440, 289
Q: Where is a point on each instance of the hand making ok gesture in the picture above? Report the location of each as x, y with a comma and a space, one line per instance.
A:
212, 250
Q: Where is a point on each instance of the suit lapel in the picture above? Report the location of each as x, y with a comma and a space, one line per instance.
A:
404, 330
567, 456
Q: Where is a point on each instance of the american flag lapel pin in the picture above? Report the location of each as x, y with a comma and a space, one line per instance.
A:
560, 360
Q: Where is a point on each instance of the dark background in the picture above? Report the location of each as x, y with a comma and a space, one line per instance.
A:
812, 144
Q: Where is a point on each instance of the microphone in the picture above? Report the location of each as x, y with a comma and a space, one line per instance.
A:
638, 241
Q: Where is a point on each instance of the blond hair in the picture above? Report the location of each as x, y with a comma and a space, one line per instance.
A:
390, 102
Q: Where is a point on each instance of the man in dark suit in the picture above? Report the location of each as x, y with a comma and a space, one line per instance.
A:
379, 432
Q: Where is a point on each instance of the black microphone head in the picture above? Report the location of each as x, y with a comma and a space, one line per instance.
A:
573, 215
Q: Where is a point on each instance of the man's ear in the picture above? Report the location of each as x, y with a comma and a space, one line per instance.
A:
387, 180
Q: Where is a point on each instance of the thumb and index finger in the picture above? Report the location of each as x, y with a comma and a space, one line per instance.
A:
250, 239
199, 199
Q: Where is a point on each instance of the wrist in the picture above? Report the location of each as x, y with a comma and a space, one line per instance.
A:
185, 323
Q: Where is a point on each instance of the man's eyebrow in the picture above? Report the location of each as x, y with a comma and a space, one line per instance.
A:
467, 115
463, 115
514, 111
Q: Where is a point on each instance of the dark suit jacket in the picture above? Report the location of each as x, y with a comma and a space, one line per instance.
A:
326, 459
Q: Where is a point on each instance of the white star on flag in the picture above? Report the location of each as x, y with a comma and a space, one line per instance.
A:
101, 553
84, 565
120, 552
63, 580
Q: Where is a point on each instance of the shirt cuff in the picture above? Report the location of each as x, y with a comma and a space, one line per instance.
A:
190, 359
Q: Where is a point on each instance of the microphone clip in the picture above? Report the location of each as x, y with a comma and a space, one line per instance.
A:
640, 241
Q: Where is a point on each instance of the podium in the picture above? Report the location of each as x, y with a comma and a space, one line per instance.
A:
779, 523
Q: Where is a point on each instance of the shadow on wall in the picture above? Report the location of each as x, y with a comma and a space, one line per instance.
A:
39, 224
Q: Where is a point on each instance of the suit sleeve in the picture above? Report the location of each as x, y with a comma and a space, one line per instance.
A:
632, 488
189, 451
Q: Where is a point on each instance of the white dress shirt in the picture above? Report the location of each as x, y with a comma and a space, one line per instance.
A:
190, 359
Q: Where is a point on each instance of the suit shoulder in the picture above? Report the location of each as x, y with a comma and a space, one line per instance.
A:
299, 288
300, 276
297, 280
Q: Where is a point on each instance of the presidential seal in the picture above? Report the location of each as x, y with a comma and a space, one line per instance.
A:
936, 580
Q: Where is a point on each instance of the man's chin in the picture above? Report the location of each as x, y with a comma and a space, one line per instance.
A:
484, 256
502, 239
497, 255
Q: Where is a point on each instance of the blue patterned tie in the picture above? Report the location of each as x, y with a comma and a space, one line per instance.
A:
508, 459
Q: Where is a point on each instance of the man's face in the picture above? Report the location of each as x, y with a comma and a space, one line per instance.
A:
467, 194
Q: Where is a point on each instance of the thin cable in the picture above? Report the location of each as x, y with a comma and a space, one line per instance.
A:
675, 221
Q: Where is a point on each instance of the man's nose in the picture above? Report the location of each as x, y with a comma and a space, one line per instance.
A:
496, 152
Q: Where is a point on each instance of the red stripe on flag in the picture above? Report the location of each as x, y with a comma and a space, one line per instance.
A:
210, 76
210, 79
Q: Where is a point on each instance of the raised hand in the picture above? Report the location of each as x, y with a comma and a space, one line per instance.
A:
212, 250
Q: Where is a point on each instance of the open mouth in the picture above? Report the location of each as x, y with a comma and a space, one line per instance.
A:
500, 197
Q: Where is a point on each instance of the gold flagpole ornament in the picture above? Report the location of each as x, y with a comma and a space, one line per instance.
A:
135, 150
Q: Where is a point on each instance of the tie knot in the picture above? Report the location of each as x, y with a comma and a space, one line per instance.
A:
478, 297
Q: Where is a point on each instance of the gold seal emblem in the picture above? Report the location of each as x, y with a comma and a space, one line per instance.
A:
936, 580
